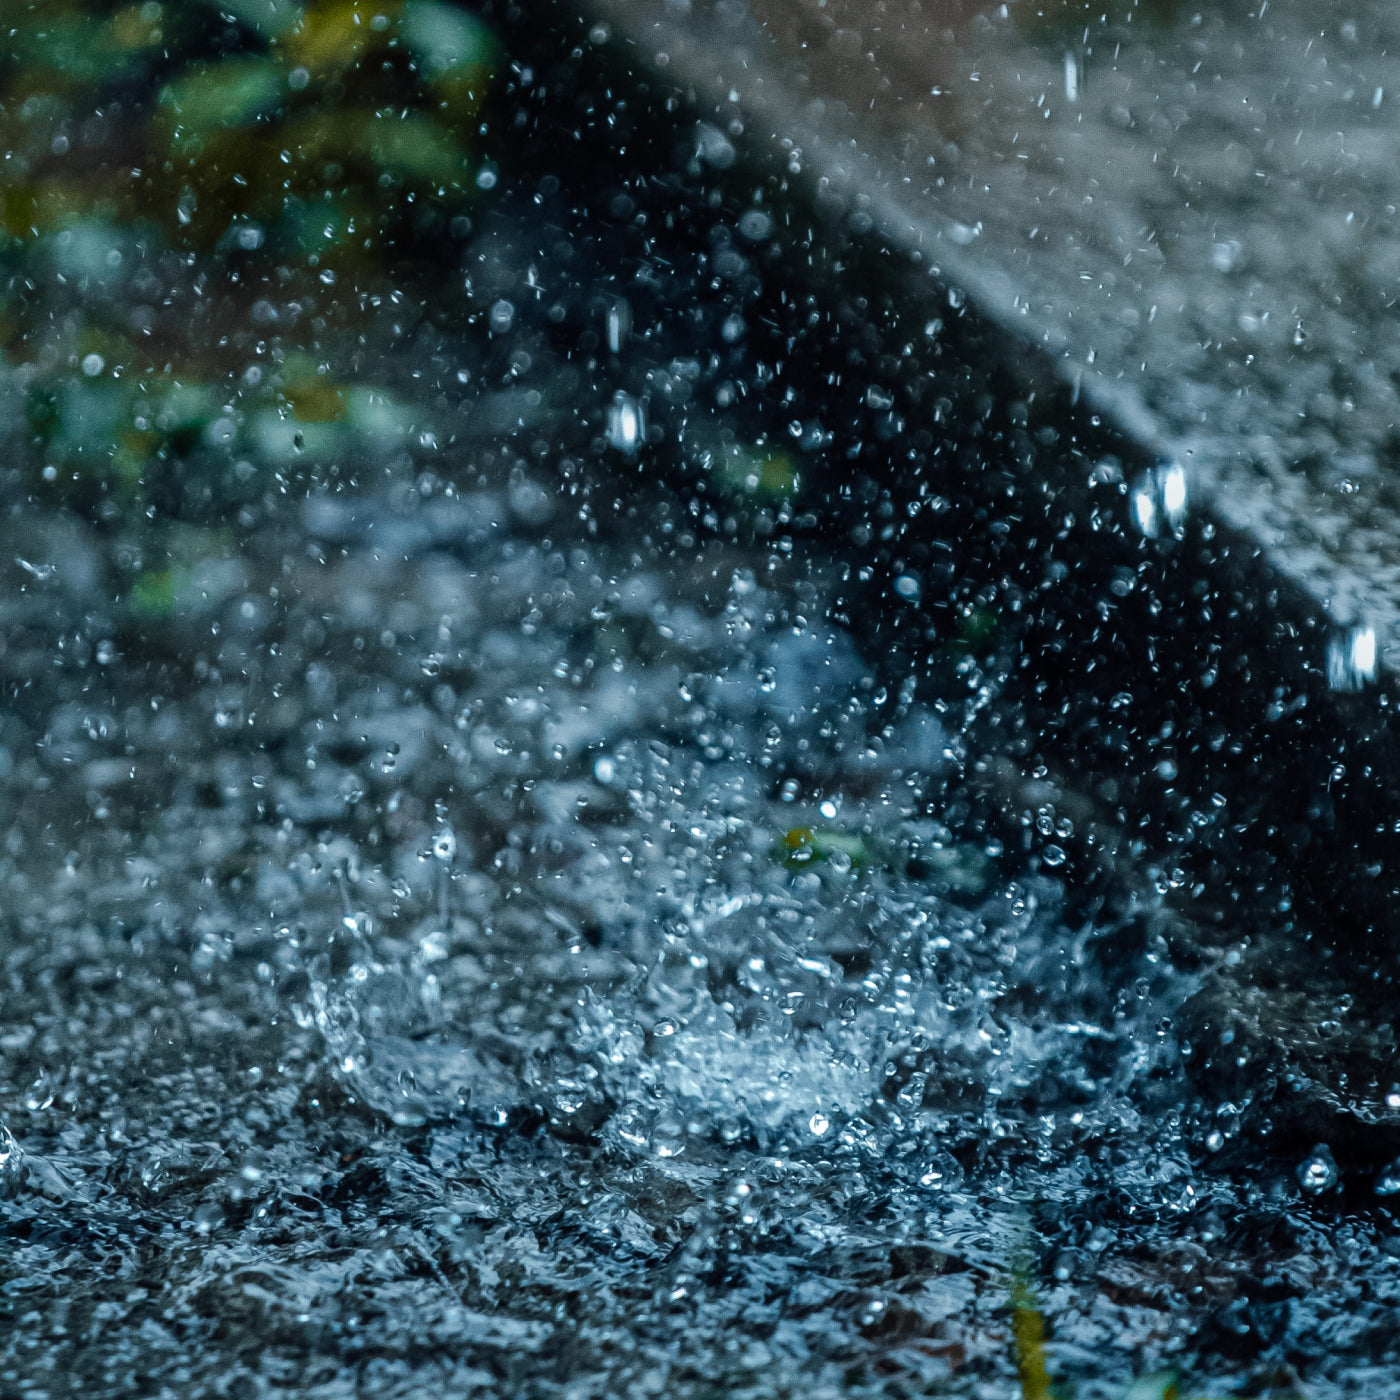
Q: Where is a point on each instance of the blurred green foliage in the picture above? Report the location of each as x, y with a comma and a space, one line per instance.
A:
359, 108
282, 154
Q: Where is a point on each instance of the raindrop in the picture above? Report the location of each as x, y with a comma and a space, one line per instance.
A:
820, 1124
755, 225
618, 323
445, 846
1158, 501
1351, 658
1319, 1172
1224, 255
570, 1097
626, 422
1072, 75
39, 1096
715, 148
93, 365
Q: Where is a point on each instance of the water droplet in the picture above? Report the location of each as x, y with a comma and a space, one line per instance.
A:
1351, 658
755, 225
820, 1124
569, 1098
618, 323
714, 147
445, 845
626, 423
1071, 77
1319, 1172
1225, 254
668, 1136
1158, 501
39, 1095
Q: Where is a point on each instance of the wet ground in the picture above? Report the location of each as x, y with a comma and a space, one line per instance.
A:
549, 846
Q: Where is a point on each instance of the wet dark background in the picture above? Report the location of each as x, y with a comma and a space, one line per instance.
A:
600, 798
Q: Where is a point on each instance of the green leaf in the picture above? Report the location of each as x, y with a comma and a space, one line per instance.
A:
444, 38
415, 146
759, 472
231, 93
1028, 1340
153, 594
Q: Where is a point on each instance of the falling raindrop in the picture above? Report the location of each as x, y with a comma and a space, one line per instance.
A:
1072, 77
618, 323
1351, 658
626, 423
1158, 501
